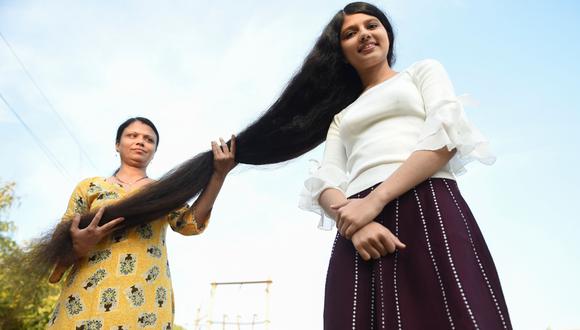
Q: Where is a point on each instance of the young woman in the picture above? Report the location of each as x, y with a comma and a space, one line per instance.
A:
121, 277
408, 253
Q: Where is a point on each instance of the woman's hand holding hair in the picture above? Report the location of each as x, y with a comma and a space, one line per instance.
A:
85, 240
224, 156
375, 240
224, 160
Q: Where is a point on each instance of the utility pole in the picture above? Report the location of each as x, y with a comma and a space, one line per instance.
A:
214, 287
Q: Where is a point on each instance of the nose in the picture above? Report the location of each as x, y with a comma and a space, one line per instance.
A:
364, 36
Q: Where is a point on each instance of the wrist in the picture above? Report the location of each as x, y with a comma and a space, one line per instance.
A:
379, 199
219, 176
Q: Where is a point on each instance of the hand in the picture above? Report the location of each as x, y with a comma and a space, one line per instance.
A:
85, 240
224, 156
353, 214
375, 240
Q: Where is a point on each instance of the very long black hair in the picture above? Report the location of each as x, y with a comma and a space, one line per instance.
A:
294, 124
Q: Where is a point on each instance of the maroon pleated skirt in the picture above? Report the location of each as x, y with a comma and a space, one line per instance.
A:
444, 279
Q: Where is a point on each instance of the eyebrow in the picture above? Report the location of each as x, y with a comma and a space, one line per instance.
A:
364, 22
145, 135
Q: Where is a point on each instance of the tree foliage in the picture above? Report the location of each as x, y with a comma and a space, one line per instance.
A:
26, 299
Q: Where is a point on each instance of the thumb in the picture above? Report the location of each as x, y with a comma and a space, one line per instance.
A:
57, 273
339, 205
398, 244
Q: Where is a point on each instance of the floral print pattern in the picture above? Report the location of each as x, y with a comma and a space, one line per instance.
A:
125, 282
127, 264
135, 295
98, 256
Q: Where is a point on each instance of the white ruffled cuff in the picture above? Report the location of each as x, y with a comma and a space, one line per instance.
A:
321, 178
446, 125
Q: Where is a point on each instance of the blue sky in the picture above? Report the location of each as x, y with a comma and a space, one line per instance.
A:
204, 69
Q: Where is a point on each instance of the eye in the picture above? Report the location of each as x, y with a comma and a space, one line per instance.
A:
348, 34
372, 26
150, 140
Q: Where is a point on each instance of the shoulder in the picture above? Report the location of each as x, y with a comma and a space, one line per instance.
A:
337, 120
87, 182
427, 70
425, 66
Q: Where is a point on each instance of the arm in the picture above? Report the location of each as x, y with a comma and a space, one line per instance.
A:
421, 165
442, 134
327, 184
193, 220
331, 196
224, 162
83, 240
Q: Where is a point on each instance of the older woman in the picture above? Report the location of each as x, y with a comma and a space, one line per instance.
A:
121, 279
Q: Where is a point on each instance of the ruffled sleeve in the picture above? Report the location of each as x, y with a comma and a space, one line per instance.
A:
446, 124
330, 173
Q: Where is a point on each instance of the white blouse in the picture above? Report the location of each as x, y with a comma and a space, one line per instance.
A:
417, 109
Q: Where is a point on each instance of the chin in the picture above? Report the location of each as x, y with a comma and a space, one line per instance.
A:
141, 163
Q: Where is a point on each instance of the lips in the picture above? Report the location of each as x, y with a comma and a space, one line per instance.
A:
367, 47
141, 150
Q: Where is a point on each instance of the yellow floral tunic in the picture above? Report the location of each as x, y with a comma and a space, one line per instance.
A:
125, 282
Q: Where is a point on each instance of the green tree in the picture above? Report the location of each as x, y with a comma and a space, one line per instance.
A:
26, 299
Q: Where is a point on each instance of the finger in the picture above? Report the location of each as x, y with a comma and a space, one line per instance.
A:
391, 245
224, 146
95, 222
370, 250
374, 253
110, 226
75, 223
379, 246
57, 273
343, 227
386, 242
398, 243
233, 145
216, 150
363, 253
339, 205
350, 230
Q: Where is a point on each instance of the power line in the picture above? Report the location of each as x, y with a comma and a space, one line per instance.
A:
50, 105
43, 147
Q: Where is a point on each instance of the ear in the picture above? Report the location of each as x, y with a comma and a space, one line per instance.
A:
117, 147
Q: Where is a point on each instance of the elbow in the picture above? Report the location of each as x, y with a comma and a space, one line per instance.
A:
444, 154
191, 230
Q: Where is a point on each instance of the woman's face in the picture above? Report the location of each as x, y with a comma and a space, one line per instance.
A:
137, 145
364, 41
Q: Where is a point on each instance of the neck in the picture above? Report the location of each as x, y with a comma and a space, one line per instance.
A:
131, 173
374, 75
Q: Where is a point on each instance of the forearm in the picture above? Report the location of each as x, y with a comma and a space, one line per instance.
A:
331, 196
204, 203
420, 166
